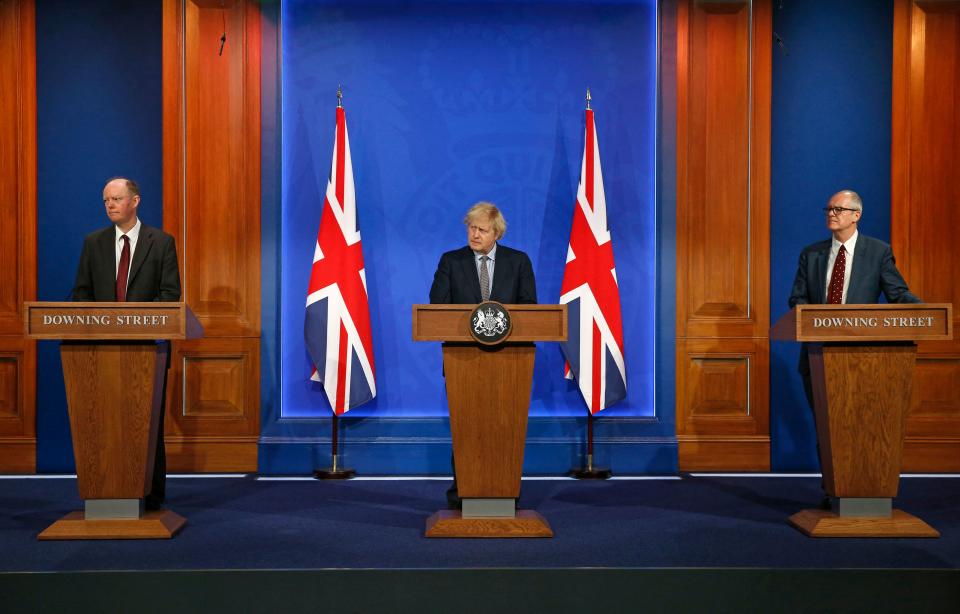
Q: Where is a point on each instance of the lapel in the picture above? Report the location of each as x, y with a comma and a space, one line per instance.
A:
823, 256
469, 270
144, 243
860, 255
108, 255
499, 276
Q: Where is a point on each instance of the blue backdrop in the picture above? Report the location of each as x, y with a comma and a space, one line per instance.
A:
98, 115
447, 104
831, 130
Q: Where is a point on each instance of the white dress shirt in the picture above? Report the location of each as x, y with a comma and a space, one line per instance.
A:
834, 250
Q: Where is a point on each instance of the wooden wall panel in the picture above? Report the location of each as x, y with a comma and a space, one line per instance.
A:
212, 206
723, 194
18, 232
925, 191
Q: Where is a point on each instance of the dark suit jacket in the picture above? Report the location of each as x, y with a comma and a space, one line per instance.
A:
874, 271
456, 280
153, 275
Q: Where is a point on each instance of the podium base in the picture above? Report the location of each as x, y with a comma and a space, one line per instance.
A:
334, 474
450, 523
161, 524
588, 473
823, 523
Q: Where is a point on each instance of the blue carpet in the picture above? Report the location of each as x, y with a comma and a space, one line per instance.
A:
714, 522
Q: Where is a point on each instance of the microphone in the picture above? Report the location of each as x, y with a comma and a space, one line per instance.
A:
223, 40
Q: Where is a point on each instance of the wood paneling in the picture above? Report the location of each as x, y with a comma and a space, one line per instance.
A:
214, 393
213, 386
925, 190
9, 387
18, 439
936, 395
720, 386
218, 381
212, 207
18, 231
723, 194
722, 389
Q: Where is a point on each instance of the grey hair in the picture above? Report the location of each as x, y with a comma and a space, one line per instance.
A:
855, 201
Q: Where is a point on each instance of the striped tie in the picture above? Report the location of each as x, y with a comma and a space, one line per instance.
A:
484, 279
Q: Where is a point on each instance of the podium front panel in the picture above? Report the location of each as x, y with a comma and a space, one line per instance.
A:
113, 393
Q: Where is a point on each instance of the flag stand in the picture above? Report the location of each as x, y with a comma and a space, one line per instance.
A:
335, 471
590, 472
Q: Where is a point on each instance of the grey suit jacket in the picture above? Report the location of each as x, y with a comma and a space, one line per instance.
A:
874, 271
153, 275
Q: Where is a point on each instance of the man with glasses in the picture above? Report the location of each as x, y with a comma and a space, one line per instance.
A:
847, 268
850, 267
130, 261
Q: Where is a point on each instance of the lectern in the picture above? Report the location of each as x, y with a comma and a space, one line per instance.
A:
488, 393
114, 368
861, 366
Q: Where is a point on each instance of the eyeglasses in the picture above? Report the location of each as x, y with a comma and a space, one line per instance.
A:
837, 211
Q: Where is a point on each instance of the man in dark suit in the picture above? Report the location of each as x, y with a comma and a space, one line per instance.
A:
481, 271
867, 267
847, 268
130, 261
509, 274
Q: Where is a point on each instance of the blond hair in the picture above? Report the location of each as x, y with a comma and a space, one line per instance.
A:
489, 211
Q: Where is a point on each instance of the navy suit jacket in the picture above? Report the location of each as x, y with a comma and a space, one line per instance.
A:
456, 280
874, 271
153, 275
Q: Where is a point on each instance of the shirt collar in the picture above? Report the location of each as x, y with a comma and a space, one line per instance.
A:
492, 254
133, 233
849, 245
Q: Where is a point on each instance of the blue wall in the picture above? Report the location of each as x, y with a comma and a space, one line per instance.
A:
447, 104
98, 115
831, 131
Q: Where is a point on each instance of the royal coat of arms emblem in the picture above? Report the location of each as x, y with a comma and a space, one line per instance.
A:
490, 323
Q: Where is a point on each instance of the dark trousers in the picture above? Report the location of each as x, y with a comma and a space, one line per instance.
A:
808, 392
158, 485
453, 497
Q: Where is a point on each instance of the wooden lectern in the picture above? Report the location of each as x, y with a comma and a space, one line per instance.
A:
861, 366
488, 393
114, 369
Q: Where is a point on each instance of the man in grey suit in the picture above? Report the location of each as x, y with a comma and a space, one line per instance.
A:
869, 264
847, 268
130, 261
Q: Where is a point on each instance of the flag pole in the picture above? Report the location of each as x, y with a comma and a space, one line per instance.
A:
335, 471
589, 471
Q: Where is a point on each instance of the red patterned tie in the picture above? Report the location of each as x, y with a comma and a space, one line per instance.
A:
124, 269
835, 291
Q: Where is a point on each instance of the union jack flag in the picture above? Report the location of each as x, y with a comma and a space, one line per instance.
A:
594, 349
337, 324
